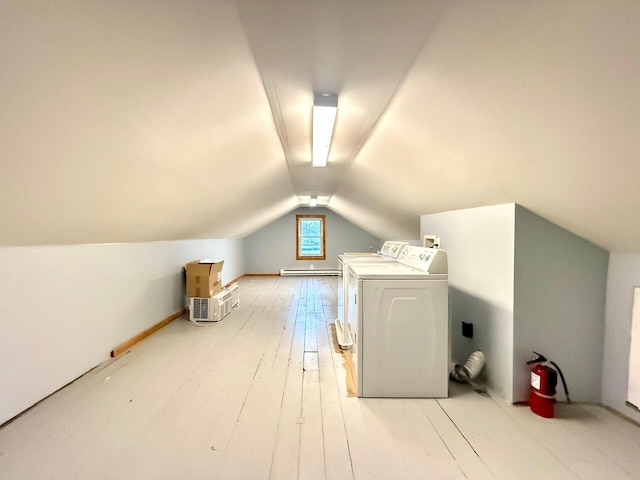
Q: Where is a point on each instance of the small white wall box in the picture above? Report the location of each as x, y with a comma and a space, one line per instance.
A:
429, 241
214, 308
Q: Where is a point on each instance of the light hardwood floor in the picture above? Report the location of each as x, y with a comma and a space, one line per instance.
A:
263, 395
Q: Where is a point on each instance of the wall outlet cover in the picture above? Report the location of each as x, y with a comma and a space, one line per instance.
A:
467, 330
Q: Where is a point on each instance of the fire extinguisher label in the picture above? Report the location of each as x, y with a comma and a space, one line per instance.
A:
535, 380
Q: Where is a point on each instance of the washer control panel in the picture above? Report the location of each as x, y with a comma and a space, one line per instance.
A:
393, 249
431, 260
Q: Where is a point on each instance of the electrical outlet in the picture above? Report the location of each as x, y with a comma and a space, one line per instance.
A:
467, 330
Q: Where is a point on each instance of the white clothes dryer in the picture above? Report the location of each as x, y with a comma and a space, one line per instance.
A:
401, 314
389, 252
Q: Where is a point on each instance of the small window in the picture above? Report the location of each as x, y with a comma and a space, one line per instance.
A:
310, 237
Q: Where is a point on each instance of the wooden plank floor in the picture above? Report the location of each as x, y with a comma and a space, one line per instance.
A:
264, 395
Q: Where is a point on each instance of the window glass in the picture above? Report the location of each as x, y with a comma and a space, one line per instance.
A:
310, 239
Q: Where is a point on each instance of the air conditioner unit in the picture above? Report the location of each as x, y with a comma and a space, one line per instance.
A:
235, 296
213, 309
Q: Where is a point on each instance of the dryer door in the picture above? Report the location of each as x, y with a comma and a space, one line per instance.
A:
405, 338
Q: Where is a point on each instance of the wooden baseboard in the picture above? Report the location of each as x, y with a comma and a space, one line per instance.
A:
123, 347
619, 414
235, 280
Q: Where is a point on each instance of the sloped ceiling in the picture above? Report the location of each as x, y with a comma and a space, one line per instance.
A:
133, 121
157, 120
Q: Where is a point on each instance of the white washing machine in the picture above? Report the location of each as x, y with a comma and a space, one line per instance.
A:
389, 252
390, 249
401, 315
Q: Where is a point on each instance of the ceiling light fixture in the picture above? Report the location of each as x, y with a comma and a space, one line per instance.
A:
325, 108
313, 201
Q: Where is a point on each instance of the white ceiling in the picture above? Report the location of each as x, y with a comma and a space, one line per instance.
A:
157, 120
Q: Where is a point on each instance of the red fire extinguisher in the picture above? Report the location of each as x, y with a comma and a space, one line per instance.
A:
544, 378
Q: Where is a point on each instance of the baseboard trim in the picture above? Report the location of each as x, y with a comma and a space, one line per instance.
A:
621, 415
123, 347
235, 280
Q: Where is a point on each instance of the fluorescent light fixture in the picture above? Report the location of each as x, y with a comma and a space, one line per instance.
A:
313, 201
325, 108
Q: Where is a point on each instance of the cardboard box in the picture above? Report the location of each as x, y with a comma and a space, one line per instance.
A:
204, 278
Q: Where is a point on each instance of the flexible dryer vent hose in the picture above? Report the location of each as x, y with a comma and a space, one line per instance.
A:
470, 370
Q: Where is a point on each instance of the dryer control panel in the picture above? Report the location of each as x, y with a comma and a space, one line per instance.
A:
431, 260
393, 249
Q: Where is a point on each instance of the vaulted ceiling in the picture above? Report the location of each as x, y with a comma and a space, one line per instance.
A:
129, 121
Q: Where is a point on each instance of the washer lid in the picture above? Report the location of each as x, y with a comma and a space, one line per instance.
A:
391, 271
376, 259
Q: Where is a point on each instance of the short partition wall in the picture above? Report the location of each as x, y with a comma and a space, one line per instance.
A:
526, 284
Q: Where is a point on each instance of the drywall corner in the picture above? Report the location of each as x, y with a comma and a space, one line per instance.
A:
480, 247
559, 305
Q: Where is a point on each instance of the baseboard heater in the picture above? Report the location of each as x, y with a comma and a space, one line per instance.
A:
306, 272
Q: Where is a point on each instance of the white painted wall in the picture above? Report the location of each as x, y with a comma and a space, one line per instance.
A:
526, 284
64, 308
480, 247
633, 389
559, 305
623, 276
274, 247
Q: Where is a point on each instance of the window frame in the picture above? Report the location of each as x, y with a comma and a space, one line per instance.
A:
323, 236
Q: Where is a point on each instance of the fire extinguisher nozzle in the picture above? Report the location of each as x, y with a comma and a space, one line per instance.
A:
564, 383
